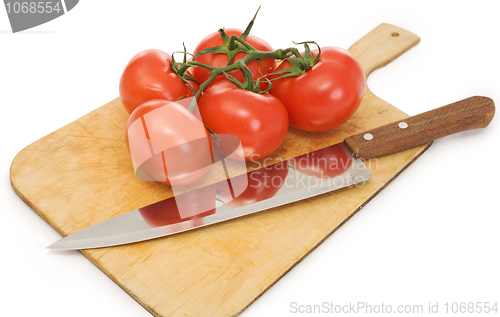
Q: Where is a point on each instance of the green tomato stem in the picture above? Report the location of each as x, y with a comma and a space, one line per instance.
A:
235, 44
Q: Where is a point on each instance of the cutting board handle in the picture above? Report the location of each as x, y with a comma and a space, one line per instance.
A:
471, 113
382, 45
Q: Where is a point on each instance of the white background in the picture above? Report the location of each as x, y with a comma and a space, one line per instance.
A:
431, 236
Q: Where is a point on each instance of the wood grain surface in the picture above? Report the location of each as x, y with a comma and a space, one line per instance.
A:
467, 114
81, 174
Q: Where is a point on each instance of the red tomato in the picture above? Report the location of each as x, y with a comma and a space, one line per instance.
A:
325, 163
220, 60
260, 121
192, 205
325, 96
263, 184
168, 143
148, 76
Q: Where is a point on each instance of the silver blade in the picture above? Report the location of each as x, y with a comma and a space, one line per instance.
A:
131, 227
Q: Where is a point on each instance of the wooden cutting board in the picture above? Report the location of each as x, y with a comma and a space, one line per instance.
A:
81, 174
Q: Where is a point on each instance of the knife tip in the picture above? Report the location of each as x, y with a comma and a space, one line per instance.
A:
58, 245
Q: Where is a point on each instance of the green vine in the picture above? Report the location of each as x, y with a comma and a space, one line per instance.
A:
236, 44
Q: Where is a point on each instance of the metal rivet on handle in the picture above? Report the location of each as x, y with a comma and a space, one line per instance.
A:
403, 125
368, 136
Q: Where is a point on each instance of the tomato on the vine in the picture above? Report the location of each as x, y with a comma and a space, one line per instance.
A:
260, 121
168, 143
262, 184
220, 60
325, 96
149, 76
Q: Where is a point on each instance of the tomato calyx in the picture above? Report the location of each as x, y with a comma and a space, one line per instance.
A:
248, 82
231, 46
181, 69
241, 65
299, 64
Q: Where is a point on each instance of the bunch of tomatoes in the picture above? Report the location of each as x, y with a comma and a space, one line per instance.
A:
242, 87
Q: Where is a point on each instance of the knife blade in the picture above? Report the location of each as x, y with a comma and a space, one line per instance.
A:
319, 172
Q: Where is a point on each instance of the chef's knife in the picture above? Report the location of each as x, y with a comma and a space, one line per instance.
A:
309, 175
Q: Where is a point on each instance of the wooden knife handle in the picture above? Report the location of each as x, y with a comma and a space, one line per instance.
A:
471, 113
